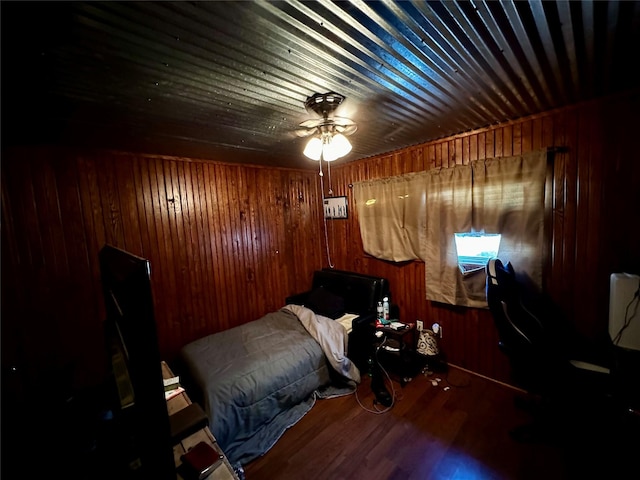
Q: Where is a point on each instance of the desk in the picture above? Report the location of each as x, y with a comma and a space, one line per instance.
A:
225, 470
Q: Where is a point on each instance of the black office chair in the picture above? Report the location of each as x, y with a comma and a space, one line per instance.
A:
546, 356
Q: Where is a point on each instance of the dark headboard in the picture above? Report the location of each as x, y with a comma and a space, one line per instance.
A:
361, 293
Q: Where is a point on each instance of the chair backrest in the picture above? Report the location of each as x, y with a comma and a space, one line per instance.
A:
536, 337
522, 335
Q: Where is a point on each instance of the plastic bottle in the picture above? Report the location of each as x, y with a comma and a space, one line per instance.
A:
380, 312
385, 309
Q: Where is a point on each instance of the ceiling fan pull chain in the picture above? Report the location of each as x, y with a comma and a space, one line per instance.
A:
324, 221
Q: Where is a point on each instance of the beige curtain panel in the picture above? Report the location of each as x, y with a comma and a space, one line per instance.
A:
509, 198
415, 216
391, 214
448, 211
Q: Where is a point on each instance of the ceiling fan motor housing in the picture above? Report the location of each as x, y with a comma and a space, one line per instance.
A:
324, 103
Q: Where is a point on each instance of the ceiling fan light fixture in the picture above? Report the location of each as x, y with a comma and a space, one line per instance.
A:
329, 152
329, 141
313, 150
328, 146
340, 145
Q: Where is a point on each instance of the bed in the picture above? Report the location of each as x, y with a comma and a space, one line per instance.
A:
256, 380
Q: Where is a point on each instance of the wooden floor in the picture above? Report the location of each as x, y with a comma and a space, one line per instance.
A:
434, 432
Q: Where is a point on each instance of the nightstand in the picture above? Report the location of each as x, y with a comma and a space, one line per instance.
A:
396, 350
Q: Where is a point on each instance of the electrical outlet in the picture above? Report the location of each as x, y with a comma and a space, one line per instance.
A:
419, 325
437, 329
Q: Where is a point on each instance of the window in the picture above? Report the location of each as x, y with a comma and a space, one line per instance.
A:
474, 249
443, 219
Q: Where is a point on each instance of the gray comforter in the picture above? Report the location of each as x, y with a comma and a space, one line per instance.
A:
258, 379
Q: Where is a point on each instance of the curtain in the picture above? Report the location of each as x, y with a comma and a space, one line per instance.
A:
391, 216
415, 216
508, 198
448, 210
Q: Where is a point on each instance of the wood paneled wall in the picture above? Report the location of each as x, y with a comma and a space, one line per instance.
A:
227, 243
594, 225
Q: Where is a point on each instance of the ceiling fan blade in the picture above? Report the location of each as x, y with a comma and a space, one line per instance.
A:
346, 129
304, 132
342, 121
342, 125
312, 123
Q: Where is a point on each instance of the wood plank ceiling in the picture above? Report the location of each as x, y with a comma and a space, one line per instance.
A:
228, 79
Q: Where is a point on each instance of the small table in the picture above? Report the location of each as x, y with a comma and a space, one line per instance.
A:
396, 350
225, 470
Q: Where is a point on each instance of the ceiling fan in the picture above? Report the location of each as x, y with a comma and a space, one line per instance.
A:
324, 104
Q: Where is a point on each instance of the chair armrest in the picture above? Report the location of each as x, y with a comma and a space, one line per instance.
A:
590, 367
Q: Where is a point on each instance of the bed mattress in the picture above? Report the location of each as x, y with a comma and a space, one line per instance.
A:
256, 380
